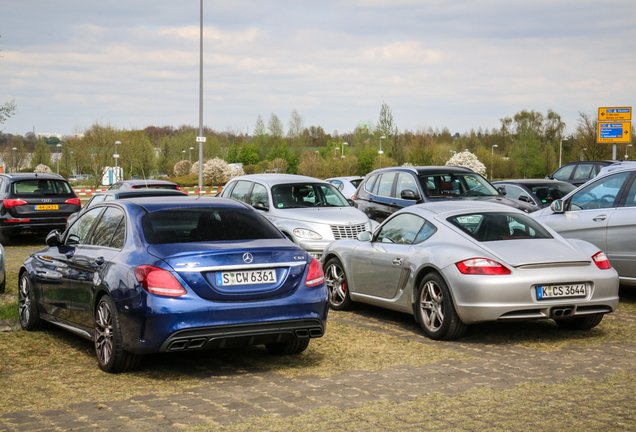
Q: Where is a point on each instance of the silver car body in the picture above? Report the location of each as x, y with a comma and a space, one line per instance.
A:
329, 223
603, 212
345, 185
389, 275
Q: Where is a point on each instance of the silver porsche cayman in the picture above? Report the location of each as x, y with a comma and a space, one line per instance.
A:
452, 264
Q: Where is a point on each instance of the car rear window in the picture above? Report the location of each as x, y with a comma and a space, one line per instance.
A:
35, 187
494, 226
155, 186
186, 225
356, 183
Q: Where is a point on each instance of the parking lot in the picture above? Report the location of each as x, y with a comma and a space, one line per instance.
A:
374, 370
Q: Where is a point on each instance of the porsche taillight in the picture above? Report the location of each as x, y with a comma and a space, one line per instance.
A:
482, 266
159, 281
601, 261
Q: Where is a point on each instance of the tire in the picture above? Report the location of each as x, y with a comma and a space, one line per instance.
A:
27, 306
337, 285
436, 311
580, 323
292, 347
5, 239
111, 356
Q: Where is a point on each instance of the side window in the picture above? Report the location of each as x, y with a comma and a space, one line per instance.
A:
78, 232
259, 193
337, 184
96, 199
564, 173
600, 194
631, 196
514, 192
107, 226
385, 184
425, 233
368, 185
402, 229
119, 236
240, 190
405, 182
583, 171
227, 190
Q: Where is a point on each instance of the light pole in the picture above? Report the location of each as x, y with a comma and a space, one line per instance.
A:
380, 152
58, 157
182, 154
14, 150
626, 148
345, 143
492, 154
336, 152
191, 148
583, 150
116, 156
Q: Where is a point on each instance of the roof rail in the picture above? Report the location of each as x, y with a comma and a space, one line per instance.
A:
617, 166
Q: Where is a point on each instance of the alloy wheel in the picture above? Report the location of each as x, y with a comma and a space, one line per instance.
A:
432, 306
104, 332
336, 284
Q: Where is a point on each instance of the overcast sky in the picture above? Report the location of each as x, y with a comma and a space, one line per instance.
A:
456, 64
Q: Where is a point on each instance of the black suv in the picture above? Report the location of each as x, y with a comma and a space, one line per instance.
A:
387, 190
579, 173
34, 203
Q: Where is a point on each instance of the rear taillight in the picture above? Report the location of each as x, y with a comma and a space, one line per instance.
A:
482, 266
159, 281
315, 276
8, 203
16, 220
601, 261
74, 201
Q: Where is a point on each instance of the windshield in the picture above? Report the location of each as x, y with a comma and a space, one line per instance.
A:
493, 226
456, 185
300, 195
548, 192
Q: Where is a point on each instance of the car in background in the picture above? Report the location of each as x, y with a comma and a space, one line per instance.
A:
149, 275
3, 270
110, 195
539, 192
452, 264
602, 212
144, 184
310, 212
387, 190
346, 185
579, 172
34, 203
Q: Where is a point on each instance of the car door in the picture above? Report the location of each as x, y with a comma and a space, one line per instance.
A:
382, 200
518, 193
377, 266
53, 270
621, 232
589, 210
92, 259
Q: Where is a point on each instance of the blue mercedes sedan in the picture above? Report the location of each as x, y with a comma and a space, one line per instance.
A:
149, 275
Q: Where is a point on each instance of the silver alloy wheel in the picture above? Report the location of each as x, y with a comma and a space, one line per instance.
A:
337, 285
104, 332
432, 306
24, 300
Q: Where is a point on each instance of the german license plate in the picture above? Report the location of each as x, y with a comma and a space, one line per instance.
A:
559, 291
47, 207
248, 277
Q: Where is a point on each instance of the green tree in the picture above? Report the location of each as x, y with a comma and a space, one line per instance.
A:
295, 132
249, 155
41, 155
386, 125
275, 127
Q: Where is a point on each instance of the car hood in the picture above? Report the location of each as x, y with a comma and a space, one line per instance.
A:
535, 252
526, 207
328, 215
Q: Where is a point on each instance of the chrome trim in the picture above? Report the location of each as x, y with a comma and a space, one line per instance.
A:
240, 267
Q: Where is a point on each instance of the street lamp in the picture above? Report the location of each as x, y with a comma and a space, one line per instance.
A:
191, 148
380, 152
182, 154
116, 156
344, 144
58, 157
626, 148
336, 151
492, 153
14, 150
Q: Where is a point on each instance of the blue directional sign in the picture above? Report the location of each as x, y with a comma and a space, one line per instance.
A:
619, 132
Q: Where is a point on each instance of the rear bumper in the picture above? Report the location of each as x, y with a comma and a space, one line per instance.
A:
30, 225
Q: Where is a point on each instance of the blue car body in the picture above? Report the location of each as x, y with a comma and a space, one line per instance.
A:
68, 280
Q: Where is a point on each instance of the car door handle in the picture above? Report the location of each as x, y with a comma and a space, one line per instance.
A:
99, 261
397, 261
599, 218
69, 254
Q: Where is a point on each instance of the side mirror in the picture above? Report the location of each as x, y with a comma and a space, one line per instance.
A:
54, 238
502, 190
557, 206
525, 199
260, 205
365, 236
351, 203
408, 194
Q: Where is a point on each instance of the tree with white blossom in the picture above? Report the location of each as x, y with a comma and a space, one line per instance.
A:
468, 160
42, 169
182, 168
215, 171
233, 170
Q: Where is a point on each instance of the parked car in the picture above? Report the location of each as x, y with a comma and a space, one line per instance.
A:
3, 273
110, 195
346, 185
387, 190
33, 203
144, 184
534, 191
579, 172
602, 212
310, 212
151, 275
452, 264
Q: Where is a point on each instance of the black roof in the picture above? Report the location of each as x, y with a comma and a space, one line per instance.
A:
132, 193
427, 169
33, 176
